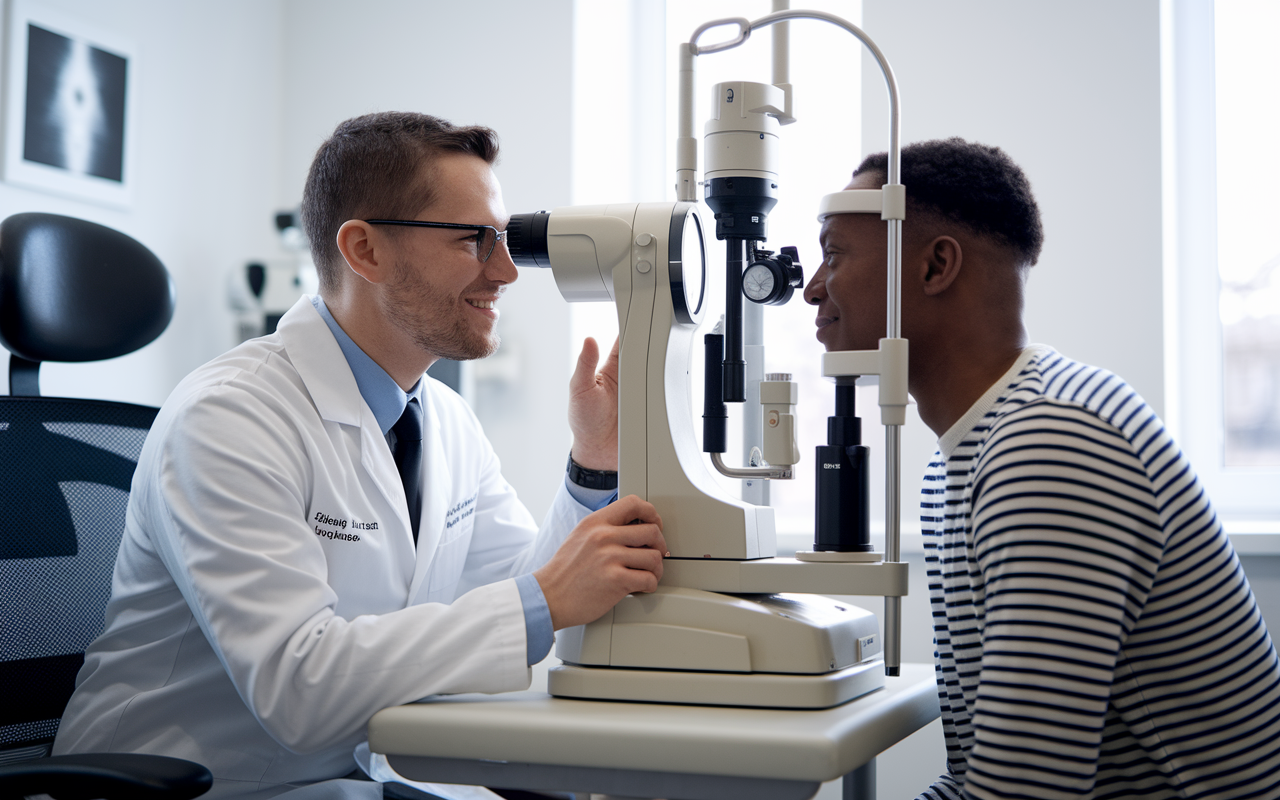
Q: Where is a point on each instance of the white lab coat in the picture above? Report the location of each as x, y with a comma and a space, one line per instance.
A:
268, 598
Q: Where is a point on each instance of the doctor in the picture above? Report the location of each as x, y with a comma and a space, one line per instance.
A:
318, 531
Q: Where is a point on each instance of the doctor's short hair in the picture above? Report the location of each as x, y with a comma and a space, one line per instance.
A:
369, 169
975, 186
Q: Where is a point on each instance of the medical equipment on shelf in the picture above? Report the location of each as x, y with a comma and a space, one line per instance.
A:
261, 291
730, 624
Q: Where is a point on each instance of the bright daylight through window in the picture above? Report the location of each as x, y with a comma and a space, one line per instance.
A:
1248, 162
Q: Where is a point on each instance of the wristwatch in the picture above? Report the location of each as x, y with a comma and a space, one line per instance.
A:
591, 478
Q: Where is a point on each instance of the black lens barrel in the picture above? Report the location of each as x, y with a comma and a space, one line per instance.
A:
527, 239
843, 522
741, 206
715, 417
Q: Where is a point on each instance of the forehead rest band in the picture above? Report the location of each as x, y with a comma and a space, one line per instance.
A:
890, 202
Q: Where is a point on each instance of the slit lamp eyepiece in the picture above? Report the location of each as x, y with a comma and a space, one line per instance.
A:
527, 239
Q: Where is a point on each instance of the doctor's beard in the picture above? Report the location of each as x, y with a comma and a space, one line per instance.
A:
434, 319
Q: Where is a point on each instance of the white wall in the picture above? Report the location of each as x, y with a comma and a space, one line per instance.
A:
208, 92
1072, 92
502, 64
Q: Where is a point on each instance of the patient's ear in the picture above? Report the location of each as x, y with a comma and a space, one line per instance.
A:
364, 250
943, 259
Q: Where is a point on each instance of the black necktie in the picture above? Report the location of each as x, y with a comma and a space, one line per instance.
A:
407, 452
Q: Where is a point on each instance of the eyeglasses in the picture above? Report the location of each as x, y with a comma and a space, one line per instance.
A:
487, 236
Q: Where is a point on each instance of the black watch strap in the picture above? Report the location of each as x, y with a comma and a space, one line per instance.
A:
591, 478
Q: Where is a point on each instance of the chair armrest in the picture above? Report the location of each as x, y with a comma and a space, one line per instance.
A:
110, 776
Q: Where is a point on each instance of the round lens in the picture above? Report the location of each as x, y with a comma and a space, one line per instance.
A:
687, 258
694, 258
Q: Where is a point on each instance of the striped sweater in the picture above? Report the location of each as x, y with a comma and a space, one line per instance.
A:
1096, 636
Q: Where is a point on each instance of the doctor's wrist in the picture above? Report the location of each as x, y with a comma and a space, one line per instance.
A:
590, 478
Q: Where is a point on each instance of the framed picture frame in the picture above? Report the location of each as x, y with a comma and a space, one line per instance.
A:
69, 106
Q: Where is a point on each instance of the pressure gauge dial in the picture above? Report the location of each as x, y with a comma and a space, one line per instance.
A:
758, 282
771, 280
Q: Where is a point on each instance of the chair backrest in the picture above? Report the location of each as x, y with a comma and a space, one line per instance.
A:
70, 290
65, 466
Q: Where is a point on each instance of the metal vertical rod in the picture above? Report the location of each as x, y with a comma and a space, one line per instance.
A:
861, 783
735, 262
24, 376
894, 295
781, 46
754, 490
892, 545
893, 463
686, 142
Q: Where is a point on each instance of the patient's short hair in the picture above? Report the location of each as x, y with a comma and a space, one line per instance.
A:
972, 185
369, 169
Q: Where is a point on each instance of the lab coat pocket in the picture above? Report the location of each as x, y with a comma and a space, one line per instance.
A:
358, 545
446, 568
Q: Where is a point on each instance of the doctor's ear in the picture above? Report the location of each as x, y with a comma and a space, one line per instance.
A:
363, 248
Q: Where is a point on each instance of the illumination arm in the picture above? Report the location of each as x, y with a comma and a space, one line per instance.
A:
691, 49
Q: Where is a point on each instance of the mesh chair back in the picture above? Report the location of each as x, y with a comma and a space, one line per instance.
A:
65, 470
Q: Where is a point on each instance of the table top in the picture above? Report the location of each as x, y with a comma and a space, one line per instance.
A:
535, 728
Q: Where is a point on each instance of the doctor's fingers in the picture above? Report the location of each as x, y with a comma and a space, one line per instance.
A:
632, 581
583, 378
610, 368
630, 509
642, 559
639, 535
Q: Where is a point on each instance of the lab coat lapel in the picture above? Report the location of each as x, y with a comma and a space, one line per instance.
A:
320, 363
328, 378
436, 491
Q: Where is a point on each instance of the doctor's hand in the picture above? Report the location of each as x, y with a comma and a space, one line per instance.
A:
612, 553
593, 408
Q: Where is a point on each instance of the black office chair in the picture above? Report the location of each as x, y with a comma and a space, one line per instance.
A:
70, 290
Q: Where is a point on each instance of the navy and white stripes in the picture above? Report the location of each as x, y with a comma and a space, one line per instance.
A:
1096, 636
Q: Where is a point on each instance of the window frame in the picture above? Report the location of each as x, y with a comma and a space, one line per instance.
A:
1246, 498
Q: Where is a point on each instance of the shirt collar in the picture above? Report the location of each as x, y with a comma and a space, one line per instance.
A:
383, 395
956, 434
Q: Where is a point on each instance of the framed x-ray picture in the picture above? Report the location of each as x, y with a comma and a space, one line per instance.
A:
69, 97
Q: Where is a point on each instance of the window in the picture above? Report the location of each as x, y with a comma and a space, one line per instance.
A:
1247, 81
1223, 308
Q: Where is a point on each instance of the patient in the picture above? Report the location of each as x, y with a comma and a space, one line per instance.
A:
1095, 634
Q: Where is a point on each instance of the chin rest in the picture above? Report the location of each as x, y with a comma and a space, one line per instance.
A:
72, 290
